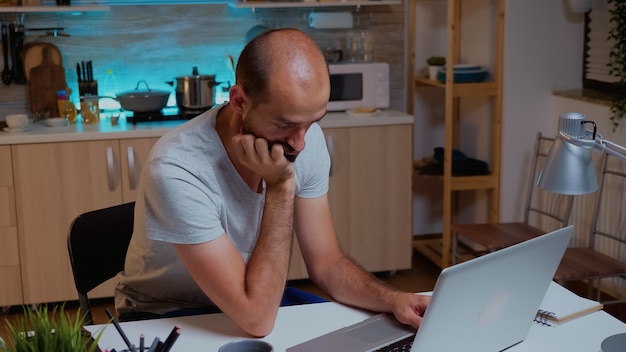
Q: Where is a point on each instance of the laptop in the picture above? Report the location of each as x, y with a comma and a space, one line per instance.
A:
485, 304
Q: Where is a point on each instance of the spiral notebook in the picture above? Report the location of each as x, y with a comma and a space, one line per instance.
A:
560, 305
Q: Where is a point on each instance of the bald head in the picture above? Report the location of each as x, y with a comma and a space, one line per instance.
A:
280, 58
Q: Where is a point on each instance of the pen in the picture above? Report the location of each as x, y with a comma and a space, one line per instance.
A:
154, 345
141, 342
167, 345
119, 329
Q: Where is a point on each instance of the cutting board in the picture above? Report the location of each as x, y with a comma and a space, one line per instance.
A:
45, 80
32, 55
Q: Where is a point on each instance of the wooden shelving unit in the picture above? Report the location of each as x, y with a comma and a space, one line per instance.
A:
439, 250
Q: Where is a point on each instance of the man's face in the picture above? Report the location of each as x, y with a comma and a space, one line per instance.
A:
283, 123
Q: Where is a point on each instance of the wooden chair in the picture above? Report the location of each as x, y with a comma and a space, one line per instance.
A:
605, 254
543, 212
97, 243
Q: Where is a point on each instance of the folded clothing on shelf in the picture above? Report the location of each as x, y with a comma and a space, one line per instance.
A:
461, 165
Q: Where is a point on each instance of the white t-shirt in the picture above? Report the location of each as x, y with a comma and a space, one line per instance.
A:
190, 192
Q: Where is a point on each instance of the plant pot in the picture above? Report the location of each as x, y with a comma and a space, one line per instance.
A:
432, 72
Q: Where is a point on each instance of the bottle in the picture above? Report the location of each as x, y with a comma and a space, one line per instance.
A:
109, 89
65, 106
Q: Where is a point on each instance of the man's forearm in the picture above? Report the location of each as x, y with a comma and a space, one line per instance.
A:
348, 283
267, 267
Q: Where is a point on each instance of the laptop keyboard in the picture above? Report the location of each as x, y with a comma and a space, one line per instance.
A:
403, 345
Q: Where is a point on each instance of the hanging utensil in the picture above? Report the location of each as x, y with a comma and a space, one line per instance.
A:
18, 64
12, 52
6, 73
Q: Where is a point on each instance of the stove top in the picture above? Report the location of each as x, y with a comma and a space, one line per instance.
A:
165, 114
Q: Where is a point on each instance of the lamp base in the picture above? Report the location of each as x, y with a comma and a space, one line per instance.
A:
613, 343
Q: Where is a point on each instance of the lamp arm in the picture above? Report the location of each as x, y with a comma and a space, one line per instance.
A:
598, 143
610, 148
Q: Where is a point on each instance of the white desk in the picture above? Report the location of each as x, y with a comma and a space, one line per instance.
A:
300, 323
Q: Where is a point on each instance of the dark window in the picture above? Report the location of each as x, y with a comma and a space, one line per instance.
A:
597, 49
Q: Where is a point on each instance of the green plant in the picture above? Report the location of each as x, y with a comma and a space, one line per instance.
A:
41, 330
436, 61
617, 59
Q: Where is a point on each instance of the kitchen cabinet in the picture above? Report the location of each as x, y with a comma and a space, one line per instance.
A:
10, 280
331, 3
370, 196
54, 183
58, 176
52, 9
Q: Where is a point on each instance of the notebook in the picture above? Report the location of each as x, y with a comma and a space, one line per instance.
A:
485, 304
560, 305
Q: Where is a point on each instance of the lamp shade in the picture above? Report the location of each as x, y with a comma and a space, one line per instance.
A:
568, 169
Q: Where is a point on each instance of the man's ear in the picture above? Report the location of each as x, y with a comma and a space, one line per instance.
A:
237, 98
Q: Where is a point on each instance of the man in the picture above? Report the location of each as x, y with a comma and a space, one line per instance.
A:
221, 196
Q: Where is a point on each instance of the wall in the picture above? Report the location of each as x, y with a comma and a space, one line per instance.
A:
543, 53
160, 43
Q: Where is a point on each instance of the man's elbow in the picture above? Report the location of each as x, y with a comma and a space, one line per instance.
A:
260, 327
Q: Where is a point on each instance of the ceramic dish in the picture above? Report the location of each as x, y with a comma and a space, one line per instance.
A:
466, 67
14, 130
56, 121
465, 76
355, 112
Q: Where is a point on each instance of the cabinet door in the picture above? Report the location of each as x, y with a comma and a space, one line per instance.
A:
54, 183
134, 153
370, 196
10, 281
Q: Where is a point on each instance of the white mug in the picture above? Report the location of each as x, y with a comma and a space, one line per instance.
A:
16, 121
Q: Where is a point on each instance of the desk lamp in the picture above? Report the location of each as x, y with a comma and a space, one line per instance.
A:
568, 168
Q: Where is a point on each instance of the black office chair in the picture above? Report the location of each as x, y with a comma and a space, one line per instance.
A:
97, 243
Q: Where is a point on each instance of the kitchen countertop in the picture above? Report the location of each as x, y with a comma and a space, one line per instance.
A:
39, 133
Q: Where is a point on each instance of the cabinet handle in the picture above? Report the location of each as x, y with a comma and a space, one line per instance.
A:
331, 151
131, 167
111, 168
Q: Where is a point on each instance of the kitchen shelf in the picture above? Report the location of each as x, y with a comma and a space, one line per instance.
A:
285, 4
52, 9
482, 89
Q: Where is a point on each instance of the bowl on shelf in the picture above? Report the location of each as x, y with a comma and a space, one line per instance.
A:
464, 74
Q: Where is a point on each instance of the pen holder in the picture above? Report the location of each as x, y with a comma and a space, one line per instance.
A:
88, 88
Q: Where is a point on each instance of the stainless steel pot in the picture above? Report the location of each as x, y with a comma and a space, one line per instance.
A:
195, 92
143, 100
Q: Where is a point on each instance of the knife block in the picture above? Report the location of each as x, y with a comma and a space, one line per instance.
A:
88, 88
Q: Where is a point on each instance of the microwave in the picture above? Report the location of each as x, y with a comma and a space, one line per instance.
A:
358, 85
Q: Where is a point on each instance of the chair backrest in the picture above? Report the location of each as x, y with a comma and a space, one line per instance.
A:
608, 225
546, 210
97, 243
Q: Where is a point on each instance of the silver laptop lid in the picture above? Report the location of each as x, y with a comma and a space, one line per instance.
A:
489, 303
485, 304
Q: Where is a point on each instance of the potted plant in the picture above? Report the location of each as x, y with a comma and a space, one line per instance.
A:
434, 63
44, 331
617, 59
